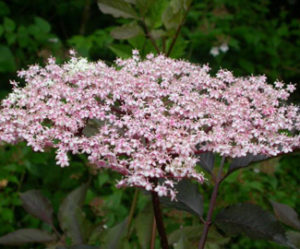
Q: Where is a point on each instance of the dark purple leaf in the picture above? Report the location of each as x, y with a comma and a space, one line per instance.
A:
70, 215
37, 205
143, 226
207, 161
252, 221
188, 198
241, 162
28, 235
286, 214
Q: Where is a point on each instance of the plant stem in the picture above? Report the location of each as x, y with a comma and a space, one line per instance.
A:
164, 45
148, 34
153, 234
56, 232
211, 206
159, 221
132, 209
178, 31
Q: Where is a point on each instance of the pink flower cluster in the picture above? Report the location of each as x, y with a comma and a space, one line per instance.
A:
153, 116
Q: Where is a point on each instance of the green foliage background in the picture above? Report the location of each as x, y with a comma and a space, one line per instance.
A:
263, 38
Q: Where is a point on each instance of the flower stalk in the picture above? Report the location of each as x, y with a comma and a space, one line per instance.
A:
212, 203
159, 221
132, 209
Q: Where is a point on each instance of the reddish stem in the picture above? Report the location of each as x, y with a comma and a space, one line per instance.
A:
212, 203
159, 221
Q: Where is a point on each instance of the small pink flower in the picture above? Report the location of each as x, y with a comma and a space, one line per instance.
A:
291, 88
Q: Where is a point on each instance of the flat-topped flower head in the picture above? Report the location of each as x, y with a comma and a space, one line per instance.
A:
148, 119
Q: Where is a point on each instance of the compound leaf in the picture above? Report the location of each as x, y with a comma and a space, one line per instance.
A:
37, 205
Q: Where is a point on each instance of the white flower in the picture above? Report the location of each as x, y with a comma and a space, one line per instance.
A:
53, 40
291, 88
224, 47
214, 51
279, 84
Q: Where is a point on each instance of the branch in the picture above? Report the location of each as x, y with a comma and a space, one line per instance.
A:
159, 221
132, 209
148, 35
178, 31
211, 206
295, 150
153, 234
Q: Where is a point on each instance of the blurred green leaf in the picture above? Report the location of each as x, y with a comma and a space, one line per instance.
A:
179, 49
37, 205
143, 226
95, 234
173, 15
4, 9
101, 37
153, 18
27, 235
181, 244
187, 3
126, 31
82, 44
170, 19
131, 1
117, 8
158, 33
42, 24
246, 65
192, 232
7, 60
7, 214
121, 50
9, 25
22, 36
144, 5
10, 38
294, 239
190, 235
112, 238
102, 178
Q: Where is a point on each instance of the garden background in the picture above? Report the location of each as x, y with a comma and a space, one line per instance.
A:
246, 37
